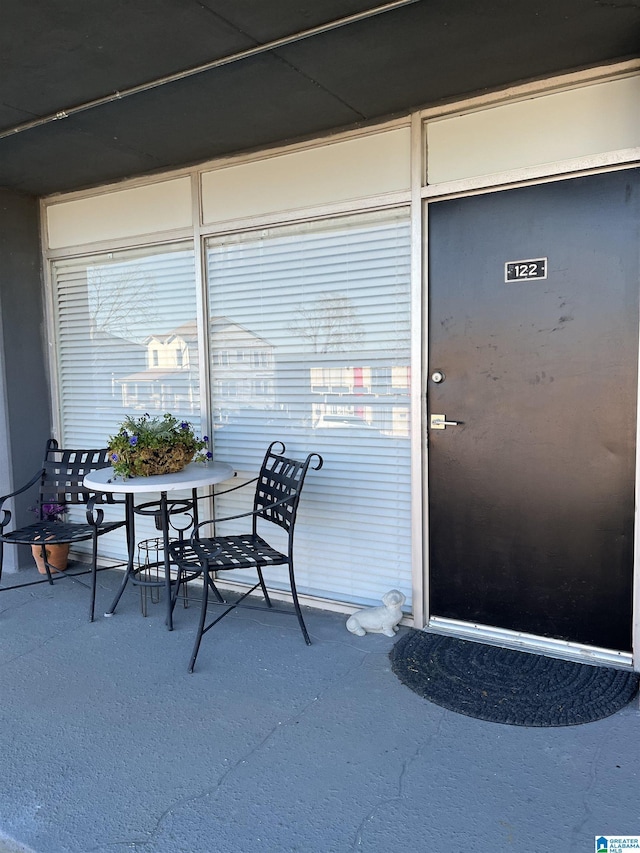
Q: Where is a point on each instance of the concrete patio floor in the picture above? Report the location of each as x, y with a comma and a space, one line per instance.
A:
107, 744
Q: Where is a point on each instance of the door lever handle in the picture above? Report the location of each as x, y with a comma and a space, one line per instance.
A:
440, 422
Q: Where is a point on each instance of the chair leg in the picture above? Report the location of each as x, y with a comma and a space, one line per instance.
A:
207, 583
174, 594
215, 589
203, 616
296, 604
94, 578
263, 587
47, 567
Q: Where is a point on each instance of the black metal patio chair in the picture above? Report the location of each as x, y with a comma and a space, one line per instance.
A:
59, 484
277, 494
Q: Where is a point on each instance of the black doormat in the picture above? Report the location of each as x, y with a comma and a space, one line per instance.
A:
506, 686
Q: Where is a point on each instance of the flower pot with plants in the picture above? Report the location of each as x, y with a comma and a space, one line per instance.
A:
57, 553
145, 446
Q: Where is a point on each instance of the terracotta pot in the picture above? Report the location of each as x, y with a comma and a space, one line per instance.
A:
57, 557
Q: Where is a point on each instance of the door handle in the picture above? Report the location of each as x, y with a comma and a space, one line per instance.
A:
441, 422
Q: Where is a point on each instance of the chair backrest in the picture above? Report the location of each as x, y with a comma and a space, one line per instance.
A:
63, 474
280, 481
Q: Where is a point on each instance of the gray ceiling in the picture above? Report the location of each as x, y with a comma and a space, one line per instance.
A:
56, 55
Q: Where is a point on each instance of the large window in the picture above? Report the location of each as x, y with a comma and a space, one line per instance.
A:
309, 337
309, 332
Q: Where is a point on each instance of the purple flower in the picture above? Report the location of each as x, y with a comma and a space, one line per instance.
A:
114, 457
209, 454
52, 511
205, 438
184, 425
133, 440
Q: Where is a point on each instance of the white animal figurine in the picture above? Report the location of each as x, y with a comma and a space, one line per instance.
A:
378, 620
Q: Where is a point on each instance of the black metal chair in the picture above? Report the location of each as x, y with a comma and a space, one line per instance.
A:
60, 483
277, 494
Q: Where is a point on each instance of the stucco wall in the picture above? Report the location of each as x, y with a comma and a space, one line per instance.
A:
24, 393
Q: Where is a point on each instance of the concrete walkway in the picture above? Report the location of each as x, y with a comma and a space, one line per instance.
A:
107, 744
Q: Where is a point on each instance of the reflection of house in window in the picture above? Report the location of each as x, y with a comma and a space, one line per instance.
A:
374, 396
242, 368
260, 358
381, 380
227, 389
262, 387
171, 379
333, 380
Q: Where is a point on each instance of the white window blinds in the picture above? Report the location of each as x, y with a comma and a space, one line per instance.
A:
309, 336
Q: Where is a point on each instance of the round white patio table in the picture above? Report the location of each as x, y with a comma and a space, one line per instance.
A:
194, 476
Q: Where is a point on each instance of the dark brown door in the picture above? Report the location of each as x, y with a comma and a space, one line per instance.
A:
532, 493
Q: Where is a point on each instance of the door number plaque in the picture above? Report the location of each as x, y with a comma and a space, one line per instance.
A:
528, 270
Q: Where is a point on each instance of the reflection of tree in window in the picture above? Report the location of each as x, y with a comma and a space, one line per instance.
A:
119, 298
328, 324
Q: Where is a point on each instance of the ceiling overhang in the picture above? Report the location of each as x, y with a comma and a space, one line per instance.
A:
93, 92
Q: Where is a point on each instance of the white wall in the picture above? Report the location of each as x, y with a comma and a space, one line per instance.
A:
160, 206
375, 163
582, 122
350, 169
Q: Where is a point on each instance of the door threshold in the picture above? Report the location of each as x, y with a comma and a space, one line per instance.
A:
530, 643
